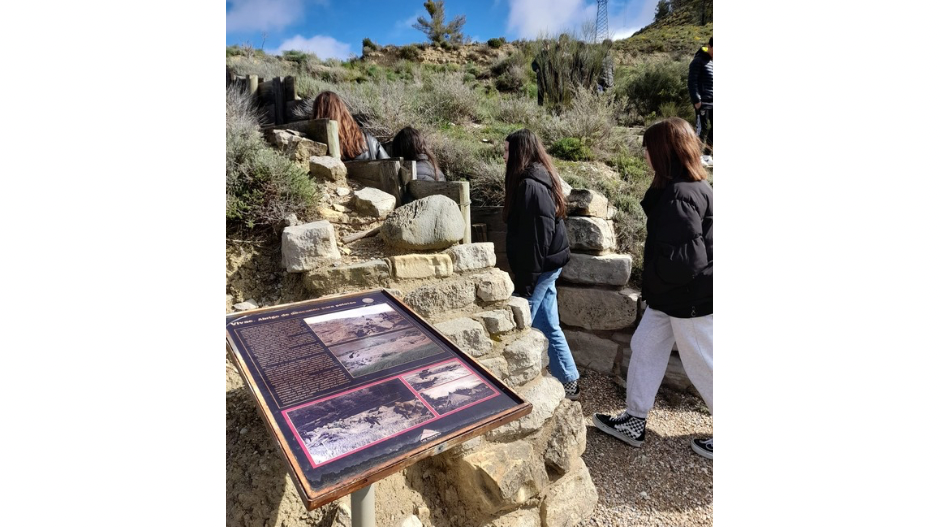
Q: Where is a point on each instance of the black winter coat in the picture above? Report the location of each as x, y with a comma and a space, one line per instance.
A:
677, 258
373, 150
701, 77
536, 240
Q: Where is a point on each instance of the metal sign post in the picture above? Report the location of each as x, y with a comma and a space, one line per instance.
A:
362, 508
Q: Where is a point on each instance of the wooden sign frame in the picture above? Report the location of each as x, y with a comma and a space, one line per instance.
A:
319, 368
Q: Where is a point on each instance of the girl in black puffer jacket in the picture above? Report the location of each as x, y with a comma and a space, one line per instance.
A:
677, 280
537, 244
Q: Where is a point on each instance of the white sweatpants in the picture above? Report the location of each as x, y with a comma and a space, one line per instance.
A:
652, 345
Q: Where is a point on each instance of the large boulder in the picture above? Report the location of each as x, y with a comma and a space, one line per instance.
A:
308, 246
434, 222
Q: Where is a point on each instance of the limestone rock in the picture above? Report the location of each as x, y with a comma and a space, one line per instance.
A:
434, 222
610, 269
545, 392
494, 285
342, 192
501, 476
591, 351
468, 335
468, 257
246, 305
433, 299
327, 168
308, 246
524, 357
297, 147
331, 280
565, 188
590, 234
567, 439
412, 521
288, 221
593, 308
521, 312
519, 518
498, 321
373, 202
421, 266
497, 366
571, 499
584, 202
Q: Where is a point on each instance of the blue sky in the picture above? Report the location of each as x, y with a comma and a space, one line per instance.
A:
335, 28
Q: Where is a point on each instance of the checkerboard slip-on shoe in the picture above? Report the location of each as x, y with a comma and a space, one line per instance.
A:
572, 390
631, 430
703, 447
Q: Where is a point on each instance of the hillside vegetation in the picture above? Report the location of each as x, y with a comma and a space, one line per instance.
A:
466, 99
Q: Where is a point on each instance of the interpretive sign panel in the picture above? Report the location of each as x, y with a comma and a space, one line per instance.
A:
357, 387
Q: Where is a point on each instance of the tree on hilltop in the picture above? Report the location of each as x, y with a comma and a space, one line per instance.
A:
436, 29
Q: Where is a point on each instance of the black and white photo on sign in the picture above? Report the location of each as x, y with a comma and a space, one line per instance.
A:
385, 351
342, 424
342, 326
436, 375
457, 394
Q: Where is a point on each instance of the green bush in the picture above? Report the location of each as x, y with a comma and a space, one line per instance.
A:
571, 149
367, 44
409, 52
496, 43
262, 186
655, 85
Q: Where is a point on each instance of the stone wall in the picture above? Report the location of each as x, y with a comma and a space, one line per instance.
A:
527, 472
598, 310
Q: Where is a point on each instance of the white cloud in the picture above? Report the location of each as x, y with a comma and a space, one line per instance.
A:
325, 47
407, 24
532, 18
632, 17
264, 15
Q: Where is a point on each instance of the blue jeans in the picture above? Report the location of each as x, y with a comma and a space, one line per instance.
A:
544, 306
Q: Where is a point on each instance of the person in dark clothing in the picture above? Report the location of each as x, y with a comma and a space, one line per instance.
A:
354, 144
700, 91
537, 244
409, 144
677, 280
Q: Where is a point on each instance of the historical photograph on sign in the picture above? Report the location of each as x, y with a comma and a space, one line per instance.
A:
382, 352
437, 375
457, 394
362, 322
333, 427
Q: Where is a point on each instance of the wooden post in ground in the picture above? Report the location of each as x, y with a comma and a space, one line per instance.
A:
326, 131
252, 84
278, 100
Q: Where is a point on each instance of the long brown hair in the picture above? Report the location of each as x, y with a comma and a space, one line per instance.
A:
674, 152
525, 149
408, 143
329, 105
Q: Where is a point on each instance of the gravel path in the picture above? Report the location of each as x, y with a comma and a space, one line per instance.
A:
663, 483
